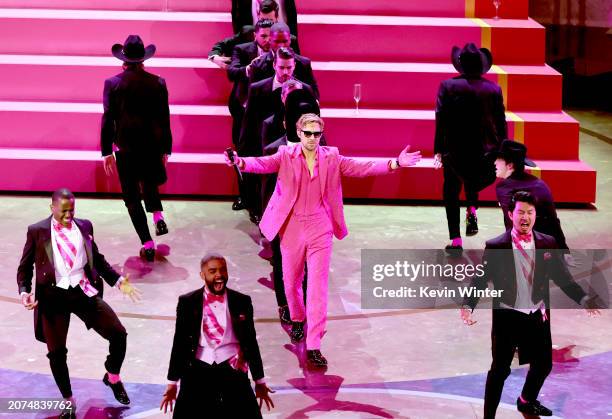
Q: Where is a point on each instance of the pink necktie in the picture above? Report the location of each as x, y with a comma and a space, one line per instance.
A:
210, 326
69, 256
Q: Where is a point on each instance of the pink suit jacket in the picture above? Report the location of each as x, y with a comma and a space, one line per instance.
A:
332, 166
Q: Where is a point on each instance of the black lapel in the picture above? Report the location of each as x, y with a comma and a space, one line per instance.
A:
198, 308
47, 242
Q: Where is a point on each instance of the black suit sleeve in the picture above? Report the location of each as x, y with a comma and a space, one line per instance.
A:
310, 79
165, 119
500, 116
225, 47
25, 271
253, 356
236, 71
561, 275
104, 269
107, 135
179, 357
249, 137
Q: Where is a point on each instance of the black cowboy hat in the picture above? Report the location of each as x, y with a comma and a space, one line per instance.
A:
133, 50
512, 151
471, 60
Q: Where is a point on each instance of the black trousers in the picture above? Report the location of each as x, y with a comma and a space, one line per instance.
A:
215, 391
277, 274
134, 188
531, 335
96, 314
451, 191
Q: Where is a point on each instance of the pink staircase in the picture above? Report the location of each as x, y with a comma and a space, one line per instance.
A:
56, 55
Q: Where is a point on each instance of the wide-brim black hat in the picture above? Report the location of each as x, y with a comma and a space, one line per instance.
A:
133, 50
512, 151
479, 55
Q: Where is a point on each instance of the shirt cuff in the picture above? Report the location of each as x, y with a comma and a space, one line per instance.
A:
173, 382
260, 381
22, 293
584, 300
119, 282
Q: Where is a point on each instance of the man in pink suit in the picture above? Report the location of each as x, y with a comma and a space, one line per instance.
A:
306, 211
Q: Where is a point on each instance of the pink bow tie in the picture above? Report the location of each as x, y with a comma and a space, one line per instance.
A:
523, 237
59, 227
211, 298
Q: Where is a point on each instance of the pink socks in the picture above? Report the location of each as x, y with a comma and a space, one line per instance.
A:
457, 241
113, 378
149, 245
158, 215
471, 210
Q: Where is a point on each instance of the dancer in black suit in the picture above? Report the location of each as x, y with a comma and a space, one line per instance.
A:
214, 345
69, 279
510, 162
470, 121
136, 122
521, 263
244, 10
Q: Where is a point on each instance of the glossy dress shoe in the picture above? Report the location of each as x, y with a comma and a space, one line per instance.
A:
471, 225
315, 359
532, 408
148, 254
238, 205
297, 332
453, 251
255, 219
161, 228
118, 390
67, 413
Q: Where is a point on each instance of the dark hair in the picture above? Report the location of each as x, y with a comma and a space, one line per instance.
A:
263, 24
211, 256
267, 6
62, 193
517, 164
280, 27
285, 53
522, 196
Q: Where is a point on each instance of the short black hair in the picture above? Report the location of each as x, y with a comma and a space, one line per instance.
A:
280, 27
522, 196
263, 24
517, 164
62, 193
211, 256
285, 53
267, 6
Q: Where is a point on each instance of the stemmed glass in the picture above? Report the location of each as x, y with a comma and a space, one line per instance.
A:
496, 3
357, 96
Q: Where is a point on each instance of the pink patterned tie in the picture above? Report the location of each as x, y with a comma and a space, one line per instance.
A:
526, 261
70, 255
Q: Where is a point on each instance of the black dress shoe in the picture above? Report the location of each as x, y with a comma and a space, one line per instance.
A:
238, 205
532, 408
118, 390
315, 359
148, 254
297, 332
67, 413
284, 315
161, 228
471, 225
453, 251
255, 219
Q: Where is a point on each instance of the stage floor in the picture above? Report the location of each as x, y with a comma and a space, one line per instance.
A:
383, 364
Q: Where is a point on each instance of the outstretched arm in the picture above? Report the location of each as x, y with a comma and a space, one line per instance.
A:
261, 165
362, 168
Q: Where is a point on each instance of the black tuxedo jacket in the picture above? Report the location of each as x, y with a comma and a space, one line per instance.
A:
38, 253
262, 102
189, 327
264, 68
470, 121
547, 221
499, 269
242, 14
242, 56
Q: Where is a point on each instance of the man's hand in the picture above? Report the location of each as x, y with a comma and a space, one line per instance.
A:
109, 164
406, 159
168, 398
128, 289
165, 159
591, 307
220, 61
28, 301
466, 316
237, 160
437, 163
262, 392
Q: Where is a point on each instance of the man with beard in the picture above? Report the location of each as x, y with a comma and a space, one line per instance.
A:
214, 346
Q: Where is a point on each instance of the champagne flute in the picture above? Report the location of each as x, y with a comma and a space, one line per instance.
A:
357, 96
496, 3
